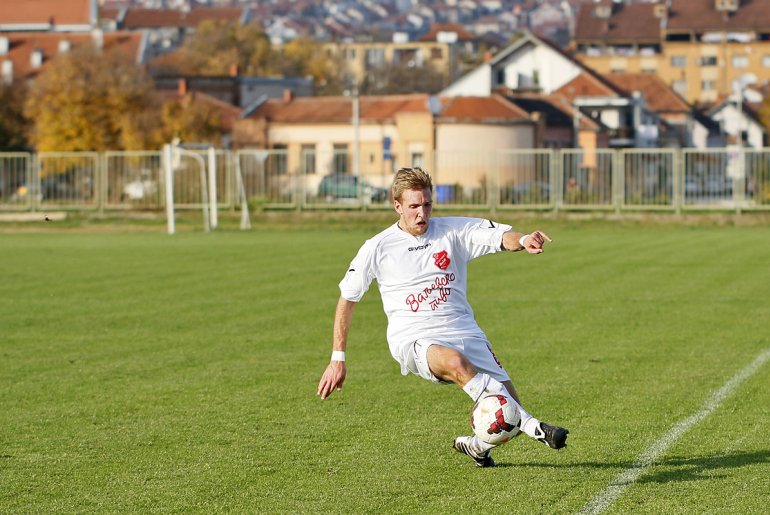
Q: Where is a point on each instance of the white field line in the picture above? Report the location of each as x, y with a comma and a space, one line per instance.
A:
610, 494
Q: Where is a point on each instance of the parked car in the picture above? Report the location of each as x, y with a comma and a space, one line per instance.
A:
338, 186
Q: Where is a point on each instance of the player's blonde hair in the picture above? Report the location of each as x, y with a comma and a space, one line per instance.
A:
410, 179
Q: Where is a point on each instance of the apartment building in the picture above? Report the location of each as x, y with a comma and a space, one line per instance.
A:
703, 49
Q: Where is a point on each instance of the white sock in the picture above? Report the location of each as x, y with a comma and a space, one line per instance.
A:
483, 383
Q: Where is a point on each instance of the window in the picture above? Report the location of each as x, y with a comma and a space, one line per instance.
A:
417, 159
308, 159
375, 56
740, 61
678, 61
349, 53
707, 60
436, 53
501, 77
766, 61
708, 85
341, 158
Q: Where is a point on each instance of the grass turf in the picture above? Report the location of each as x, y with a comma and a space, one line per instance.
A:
148, 373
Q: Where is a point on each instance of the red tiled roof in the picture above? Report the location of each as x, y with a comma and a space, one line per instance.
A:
138, 18
658, 96
702, 15
109, 13
481, 109
628, 22
381, 108
56, 12
22, 44
196, 16
435, 28
339, 109
586, 85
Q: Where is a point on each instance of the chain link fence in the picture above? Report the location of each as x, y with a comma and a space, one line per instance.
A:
732, 179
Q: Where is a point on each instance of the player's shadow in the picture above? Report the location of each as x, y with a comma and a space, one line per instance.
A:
677, 468
703, 467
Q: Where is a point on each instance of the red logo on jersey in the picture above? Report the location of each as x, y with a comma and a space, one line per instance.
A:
442, 260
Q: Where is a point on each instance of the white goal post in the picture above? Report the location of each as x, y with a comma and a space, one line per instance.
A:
172, 161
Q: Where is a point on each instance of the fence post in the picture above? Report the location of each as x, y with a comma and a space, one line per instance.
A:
617, 181
101, 182
557, 179
678, 178
35, 188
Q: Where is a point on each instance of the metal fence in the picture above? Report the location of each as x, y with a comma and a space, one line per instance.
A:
735, 179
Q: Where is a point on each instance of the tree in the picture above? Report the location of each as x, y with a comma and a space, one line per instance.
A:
89, 99
303, 57
398, 78
217, 45
13, 124
191, 121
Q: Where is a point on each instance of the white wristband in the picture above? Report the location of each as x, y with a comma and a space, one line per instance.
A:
522, 239
338, 355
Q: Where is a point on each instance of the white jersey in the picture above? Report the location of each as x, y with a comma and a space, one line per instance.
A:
423, 279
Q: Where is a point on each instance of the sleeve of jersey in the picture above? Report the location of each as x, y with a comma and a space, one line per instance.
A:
484, 236
359, 275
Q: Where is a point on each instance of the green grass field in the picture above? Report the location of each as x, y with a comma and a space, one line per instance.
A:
142, 373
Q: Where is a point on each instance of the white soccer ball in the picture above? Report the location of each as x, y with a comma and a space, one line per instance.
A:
495, 419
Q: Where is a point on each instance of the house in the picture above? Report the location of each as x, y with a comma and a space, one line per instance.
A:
361, 57
675, 113
228, 113
535, 65
698, 47
530, 63
453, 137
739, 121
241, 91
166, 29
23, 55
48, 15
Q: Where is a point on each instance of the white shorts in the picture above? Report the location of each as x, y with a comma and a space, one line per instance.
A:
477, 350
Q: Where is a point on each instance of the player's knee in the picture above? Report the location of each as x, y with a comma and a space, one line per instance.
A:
460, 367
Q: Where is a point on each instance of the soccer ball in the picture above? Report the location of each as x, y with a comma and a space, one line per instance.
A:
495, 419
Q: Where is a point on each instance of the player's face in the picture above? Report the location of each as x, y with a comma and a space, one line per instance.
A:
415, 208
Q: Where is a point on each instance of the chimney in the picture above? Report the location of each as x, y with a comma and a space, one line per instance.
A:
288, 95
487, 56
234, 70
182, 87
5, 45
97, 36
7, 72
64, 46
36, 58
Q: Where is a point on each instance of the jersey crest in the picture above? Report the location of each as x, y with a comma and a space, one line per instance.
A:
442, 259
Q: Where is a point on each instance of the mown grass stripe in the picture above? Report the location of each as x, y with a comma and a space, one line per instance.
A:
615, 489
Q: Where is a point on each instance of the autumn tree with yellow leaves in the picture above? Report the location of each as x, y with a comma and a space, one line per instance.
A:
89, 99
92, 100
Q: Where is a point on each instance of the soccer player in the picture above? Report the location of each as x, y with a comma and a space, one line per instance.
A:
420, 265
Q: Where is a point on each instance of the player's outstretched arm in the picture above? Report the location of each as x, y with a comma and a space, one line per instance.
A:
335, 372
532, 243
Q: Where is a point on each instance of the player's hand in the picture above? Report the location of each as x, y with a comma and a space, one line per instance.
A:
333, 377
535, 241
